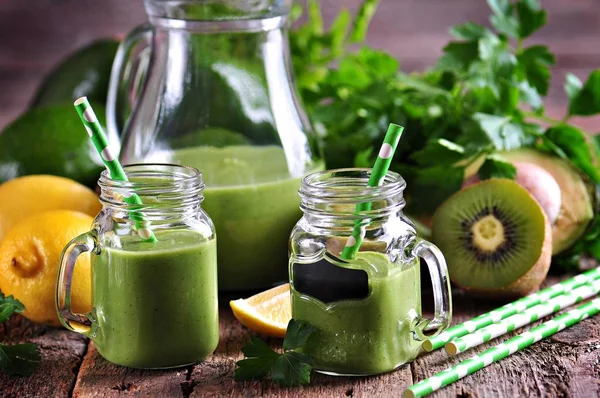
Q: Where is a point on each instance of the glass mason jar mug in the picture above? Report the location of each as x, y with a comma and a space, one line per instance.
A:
208, 84
367, 310
154, 304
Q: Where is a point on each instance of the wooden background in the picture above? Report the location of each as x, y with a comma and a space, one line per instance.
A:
36, 34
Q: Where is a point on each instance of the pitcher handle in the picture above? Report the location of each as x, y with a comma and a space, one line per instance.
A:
438, 272
128, 77
80, 323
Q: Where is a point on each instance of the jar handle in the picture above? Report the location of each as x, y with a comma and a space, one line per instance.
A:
80, 323
438, 272
128, 77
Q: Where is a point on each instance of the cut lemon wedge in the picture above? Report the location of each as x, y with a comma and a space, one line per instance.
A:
267, 312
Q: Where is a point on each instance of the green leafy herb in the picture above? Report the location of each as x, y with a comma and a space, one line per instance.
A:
289, 368
8, 306
484, 96
585, 100
531, 17
17, 359
495, 166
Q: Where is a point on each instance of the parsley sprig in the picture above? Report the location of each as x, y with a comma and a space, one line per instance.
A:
289, 368
485, 95
17, 359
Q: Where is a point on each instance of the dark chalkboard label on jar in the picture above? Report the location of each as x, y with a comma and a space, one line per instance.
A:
328, 282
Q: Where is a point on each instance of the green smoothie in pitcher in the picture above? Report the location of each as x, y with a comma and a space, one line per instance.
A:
155, 304
254, 204
369, 335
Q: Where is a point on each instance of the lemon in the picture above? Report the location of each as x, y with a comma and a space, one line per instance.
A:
267, 313
25, 196
29, 256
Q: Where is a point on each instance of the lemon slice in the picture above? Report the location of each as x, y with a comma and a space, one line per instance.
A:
267, 312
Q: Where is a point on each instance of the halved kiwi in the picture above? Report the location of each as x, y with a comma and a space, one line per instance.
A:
495, 237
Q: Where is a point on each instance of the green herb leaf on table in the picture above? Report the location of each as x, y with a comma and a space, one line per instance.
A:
292, 369
289, 368
297, 335
260, 360
8, 306
19, 359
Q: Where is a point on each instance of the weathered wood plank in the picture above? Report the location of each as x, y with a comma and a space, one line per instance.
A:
214, 377
61, 351
566, 365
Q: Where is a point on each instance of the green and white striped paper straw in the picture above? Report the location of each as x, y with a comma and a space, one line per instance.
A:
503, 350
380, 169
519, 320
509, 309
98, 137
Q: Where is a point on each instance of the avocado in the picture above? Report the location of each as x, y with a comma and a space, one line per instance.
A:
50, 140
577, 197
85, 72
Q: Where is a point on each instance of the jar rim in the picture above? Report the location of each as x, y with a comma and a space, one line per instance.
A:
179, 175
159, 177
214, 11
178, 187
349, 184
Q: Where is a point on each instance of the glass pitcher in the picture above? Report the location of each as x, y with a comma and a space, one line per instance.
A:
208, 84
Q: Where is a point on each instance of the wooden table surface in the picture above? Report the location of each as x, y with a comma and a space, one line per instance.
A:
36, 35
565, 365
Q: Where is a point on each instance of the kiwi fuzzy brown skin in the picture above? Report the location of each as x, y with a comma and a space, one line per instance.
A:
526, 284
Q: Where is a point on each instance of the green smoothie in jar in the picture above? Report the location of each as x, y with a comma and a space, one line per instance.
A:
156, 303
370, 335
